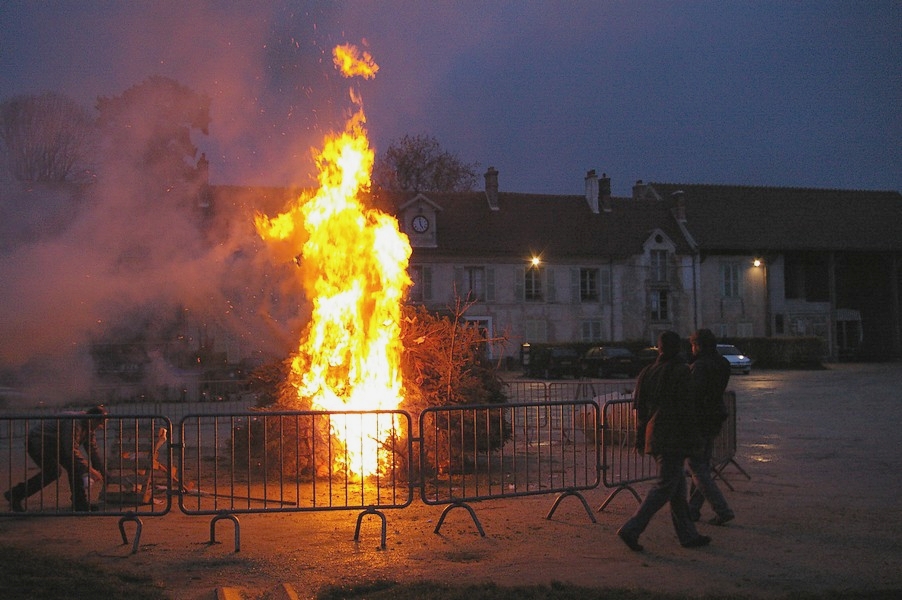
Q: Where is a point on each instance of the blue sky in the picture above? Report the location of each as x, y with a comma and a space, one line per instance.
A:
786, 93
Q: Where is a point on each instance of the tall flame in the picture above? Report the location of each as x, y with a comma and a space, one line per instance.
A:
353, 265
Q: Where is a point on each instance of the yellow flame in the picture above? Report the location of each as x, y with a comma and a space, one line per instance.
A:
353, 62
353, 265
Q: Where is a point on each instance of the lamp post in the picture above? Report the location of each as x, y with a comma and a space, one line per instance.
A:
760, 263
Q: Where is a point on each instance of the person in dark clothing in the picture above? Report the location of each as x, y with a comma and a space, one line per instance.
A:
63, 444
709, 375
666, 429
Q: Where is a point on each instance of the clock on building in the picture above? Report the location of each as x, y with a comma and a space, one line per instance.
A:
420, 224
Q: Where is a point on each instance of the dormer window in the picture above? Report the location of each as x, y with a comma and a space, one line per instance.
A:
658, 265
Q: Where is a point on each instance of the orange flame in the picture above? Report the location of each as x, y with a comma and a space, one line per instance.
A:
353, 265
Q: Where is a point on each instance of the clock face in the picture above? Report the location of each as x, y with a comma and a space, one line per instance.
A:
420, 224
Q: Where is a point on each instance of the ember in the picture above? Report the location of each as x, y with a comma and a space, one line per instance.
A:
353, 265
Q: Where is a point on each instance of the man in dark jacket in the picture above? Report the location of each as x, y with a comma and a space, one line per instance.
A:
709, 375
68, 444
666, 429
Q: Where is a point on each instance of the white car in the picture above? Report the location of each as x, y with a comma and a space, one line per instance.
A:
739, 362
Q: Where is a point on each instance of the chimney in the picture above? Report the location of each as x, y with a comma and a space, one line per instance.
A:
639, 190
604, 192
491, 188
679, 211
592, 191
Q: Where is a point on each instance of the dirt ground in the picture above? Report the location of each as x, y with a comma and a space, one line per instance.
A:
820, 513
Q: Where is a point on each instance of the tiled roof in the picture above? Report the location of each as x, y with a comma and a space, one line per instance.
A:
719, 218
558, 228
724, 218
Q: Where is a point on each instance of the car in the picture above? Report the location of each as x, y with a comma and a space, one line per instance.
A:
553, 362
605, 361
646, 356
739, 362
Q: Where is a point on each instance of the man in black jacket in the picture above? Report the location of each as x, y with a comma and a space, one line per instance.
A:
68, 444
666, 429
709, 375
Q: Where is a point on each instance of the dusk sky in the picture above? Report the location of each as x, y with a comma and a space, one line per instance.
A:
785, 93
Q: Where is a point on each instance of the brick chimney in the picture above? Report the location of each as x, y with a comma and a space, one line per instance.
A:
679, 208
491, 188
604, 192
639, 190
592, 191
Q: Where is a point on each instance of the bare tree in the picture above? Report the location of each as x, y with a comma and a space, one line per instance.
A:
418, 164
148, 129
47, 137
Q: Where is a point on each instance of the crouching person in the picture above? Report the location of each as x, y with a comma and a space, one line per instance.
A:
56, 445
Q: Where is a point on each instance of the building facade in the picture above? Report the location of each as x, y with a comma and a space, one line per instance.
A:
742, 261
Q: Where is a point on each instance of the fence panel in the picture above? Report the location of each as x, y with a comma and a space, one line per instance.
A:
569, 391
294, 461
497, 451
526, 391
43, 476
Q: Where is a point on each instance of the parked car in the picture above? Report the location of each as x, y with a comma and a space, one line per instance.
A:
605, 361
553, 362
646, 356
739, 362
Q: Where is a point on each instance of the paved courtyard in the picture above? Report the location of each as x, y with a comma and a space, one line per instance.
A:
820, 513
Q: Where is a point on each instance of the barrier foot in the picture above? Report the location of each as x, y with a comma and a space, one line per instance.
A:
469, 510
740, 469
370, 511
563, 495
617, 491
139, 526
233, 519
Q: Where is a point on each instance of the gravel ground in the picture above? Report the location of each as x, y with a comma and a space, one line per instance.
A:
820, 513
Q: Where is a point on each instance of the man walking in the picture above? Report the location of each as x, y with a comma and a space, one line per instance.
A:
666, 430
709, 375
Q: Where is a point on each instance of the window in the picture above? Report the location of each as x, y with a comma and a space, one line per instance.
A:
744, 330
591, 331
659, 305
421, 290
474, 287
588, 285
532, 289
485, 330
658, 265
535, 331
729, 280
475, 284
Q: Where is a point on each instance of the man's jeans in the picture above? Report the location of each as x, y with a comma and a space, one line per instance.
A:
703, 486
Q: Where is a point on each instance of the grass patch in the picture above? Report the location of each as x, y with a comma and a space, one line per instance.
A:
29, 574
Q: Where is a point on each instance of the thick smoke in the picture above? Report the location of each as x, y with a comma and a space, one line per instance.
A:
123, 255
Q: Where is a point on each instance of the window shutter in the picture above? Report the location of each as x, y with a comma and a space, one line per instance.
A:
459, 291
489, 284
604, 286
574, 286
427, 283
520, 284
549, 284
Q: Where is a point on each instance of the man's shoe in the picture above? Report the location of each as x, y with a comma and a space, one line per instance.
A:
15, 502
720, 521
630, 540
697, 542
81, 507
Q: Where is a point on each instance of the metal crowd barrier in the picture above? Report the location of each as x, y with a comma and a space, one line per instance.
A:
475, 453
724, 453
292, 461
622, 466
132, 452
568, 438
